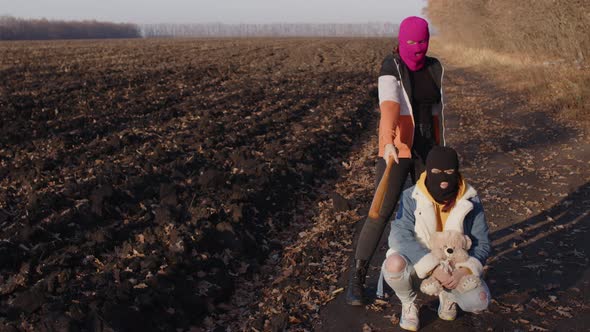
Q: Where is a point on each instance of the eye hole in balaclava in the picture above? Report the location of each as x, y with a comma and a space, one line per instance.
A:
442, 174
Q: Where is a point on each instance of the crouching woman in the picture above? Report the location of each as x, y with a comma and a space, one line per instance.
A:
440, 201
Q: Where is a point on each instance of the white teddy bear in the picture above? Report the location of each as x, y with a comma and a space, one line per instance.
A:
451, 248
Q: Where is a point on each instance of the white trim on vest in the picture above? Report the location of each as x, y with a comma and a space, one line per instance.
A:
425, 217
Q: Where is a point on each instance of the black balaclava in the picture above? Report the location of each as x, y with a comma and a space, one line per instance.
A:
442, 158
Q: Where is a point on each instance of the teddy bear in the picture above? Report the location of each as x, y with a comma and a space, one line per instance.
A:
451, 248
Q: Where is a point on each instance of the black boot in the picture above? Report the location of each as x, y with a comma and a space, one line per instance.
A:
356, 281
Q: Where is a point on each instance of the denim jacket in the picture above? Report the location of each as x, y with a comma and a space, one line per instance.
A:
415, 222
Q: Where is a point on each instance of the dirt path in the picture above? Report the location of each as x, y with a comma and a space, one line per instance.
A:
532, 174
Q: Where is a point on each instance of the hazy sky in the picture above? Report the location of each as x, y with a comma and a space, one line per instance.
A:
225, 11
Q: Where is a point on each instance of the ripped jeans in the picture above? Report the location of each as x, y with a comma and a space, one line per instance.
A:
405, 283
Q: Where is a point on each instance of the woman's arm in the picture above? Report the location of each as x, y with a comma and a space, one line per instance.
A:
388, 122
389, 102
479, 234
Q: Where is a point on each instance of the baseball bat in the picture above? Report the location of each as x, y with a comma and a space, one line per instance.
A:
380, 192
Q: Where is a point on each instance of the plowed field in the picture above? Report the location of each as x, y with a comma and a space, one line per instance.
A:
140, 179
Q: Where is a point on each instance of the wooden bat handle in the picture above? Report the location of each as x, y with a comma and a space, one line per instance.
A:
380, 192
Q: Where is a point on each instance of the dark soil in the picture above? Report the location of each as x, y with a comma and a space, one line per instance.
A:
141, 179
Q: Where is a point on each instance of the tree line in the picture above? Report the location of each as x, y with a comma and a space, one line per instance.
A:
12, 28
270, 30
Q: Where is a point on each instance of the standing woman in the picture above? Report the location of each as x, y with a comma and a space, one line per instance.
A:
411, 106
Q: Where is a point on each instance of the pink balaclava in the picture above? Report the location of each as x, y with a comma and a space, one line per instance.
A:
415, 29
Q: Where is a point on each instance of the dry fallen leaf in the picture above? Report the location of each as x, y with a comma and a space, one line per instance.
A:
564, 311
337, 291
394, 319
381, 302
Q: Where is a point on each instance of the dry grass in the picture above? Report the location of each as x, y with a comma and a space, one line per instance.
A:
537, 47
563, 86
534, 27
478, 56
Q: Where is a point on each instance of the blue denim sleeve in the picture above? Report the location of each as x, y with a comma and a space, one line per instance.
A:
479, 233
402, 237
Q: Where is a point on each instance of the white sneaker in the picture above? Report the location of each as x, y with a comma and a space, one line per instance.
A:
447, 309
409, 319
